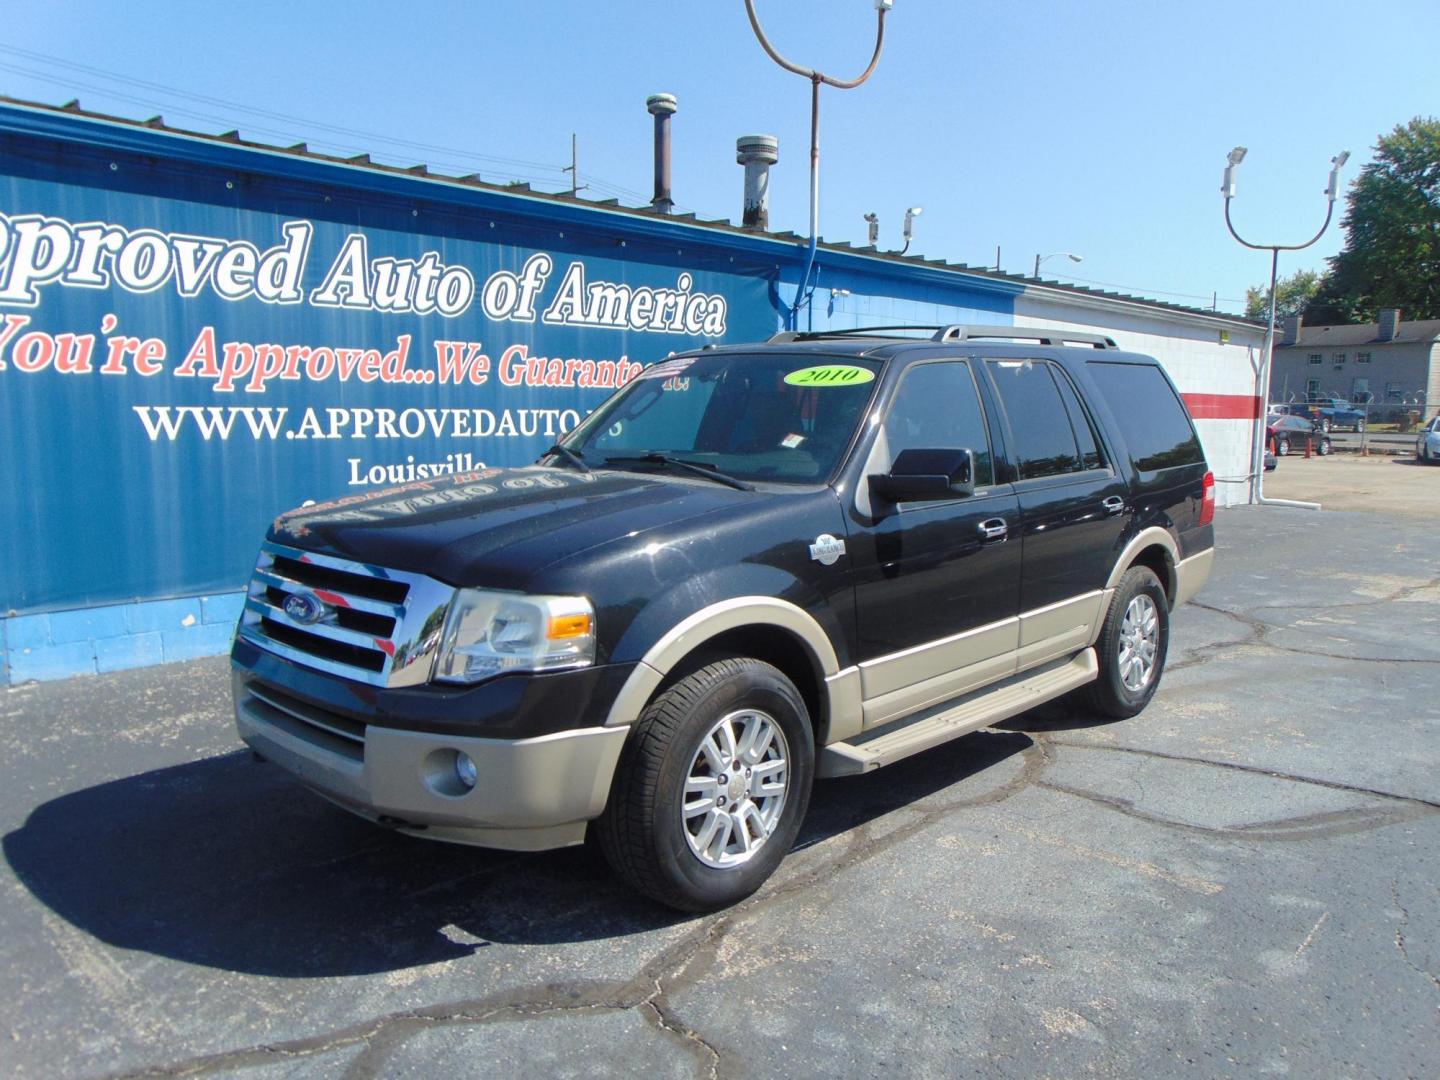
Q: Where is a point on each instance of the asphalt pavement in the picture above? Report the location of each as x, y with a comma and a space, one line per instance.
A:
1241, 881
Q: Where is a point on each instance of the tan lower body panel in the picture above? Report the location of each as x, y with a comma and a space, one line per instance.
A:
1191, 575
953, 719
899, 684
532, 794
1058, 630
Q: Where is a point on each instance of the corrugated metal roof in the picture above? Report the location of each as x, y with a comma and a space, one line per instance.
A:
363, 161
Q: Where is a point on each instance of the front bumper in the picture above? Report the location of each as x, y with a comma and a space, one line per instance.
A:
531, 794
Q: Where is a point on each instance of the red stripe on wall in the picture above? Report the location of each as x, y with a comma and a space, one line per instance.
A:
1222, 406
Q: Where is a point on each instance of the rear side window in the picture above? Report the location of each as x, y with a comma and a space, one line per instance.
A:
1038, 419
1084, 432
1155, 425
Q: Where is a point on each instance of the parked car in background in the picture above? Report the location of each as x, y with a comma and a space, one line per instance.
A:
1328, 413
1427, 442
1288, 433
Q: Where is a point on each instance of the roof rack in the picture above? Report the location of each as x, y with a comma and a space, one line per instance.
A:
786, 336
958, 332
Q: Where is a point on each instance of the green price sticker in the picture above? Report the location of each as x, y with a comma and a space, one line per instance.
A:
830, 375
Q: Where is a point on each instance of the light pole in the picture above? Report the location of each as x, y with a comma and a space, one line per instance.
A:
1227, 188
802, 293
1054, 255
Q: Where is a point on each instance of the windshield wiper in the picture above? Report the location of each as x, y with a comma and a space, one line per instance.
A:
709, 472
569, 455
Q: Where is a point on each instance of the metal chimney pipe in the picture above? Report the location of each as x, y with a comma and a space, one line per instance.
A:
662, 107
757, 153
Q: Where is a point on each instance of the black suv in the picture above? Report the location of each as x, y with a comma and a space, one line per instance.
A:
751, 567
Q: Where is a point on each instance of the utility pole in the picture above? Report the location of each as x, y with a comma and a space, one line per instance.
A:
573, 169
816, 78
1227, 188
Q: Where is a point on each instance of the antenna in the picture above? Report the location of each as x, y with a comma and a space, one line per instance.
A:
575, 186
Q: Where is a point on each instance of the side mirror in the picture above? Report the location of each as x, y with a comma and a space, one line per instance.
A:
918, 475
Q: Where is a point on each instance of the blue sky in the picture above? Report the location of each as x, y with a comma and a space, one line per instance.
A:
1099, 128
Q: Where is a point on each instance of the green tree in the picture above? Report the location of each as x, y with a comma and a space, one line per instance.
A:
1391, 256
1292, 295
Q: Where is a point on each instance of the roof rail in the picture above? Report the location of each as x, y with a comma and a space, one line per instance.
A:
957, 332
786, 336
961, 332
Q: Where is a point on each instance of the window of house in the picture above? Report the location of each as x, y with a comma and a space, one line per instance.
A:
1362, 358
1394, 391
1338, 359
1317, 358
1312, 389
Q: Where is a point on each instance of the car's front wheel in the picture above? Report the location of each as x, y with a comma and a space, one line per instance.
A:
1325, 424
1359, 427
1282, 446
1132, 646
711, 787
1323, 446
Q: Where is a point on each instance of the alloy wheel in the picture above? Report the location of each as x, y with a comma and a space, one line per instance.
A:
735, 788
1139, 643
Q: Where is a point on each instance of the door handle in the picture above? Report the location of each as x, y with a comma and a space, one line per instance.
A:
993, 530
1113, 505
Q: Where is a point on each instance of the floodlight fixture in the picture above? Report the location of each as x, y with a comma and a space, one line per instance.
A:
1055, 255
873, 220
1227, 185
1336, 164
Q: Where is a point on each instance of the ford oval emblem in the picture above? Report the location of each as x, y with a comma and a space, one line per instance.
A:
304, 607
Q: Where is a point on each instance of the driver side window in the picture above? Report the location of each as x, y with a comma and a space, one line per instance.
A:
938, 408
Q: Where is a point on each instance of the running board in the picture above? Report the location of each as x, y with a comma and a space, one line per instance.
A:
949, 721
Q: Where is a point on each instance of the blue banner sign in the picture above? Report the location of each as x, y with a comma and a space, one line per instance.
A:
179, 362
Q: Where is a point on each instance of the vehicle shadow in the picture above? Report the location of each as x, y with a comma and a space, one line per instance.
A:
1058, 715
229, 864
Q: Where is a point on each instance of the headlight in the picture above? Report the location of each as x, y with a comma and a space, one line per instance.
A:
490, 633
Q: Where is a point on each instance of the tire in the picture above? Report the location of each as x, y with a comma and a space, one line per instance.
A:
644, 832
1325, 424
1359, 427
1109, 695
1282, 447
1323, 446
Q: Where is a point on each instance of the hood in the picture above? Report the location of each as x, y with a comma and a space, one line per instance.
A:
497, 527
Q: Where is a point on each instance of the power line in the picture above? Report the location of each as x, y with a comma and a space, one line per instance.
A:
1157, 292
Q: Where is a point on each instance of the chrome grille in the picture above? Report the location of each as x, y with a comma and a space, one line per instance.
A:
347, 618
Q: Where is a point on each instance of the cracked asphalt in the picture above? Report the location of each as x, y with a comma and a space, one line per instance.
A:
1245, 879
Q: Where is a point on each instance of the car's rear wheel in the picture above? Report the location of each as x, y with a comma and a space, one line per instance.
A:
1323, 446
711, 787
1325, 424
1359, 426
1282, 446
1132, 646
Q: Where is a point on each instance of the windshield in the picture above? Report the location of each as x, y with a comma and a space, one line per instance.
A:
766, 416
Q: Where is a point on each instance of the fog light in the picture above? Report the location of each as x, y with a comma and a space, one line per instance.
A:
465, 770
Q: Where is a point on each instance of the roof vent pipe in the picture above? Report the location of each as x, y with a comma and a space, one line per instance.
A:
757, 153
1389, 324
662, 107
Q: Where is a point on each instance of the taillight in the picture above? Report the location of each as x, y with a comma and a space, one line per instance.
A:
1207, 500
